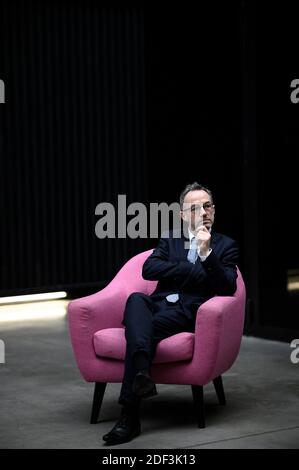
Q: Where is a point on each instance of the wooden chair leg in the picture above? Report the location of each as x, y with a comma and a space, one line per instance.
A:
198, 400
218, 384
99, 390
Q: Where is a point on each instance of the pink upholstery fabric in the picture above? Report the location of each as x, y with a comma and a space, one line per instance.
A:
111, 342
217, 337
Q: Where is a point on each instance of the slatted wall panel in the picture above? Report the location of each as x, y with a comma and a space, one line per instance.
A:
73, 136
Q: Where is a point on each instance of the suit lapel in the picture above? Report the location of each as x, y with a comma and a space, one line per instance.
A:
214, 238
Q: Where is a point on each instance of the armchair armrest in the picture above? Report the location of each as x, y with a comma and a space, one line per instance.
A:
218, 334
89, 314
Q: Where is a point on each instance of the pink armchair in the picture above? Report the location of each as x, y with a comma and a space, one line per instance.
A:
99, 344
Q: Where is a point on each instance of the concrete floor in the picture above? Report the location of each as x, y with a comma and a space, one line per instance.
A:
46, 404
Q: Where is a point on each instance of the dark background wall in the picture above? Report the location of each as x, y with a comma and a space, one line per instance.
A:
277, 125
193, 93
104, 100
73, 137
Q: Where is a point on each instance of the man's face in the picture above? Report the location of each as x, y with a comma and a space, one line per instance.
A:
198, 210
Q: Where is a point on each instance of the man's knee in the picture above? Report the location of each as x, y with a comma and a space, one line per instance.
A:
133, 304
136, 297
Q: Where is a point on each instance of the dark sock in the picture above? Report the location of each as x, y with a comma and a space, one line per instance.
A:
132, 409
141, 361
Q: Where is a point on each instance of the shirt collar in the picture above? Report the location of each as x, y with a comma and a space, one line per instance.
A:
191, 235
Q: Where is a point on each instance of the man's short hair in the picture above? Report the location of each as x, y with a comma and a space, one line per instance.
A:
194, 187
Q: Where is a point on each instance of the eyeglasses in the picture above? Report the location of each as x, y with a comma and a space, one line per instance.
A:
207, 206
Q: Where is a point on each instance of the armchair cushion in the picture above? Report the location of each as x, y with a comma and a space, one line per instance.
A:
111, 342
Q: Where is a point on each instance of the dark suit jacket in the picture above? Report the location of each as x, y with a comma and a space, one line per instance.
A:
195, 283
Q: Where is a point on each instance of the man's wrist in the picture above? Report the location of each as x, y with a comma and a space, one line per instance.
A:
203, 250
203, 256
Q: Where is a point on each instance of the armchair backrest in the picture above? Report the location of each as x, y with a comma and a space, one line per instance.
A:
129, 277
240, 293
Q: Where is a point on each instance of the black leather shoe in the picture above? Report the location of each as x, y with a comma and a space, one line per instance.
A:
125, 429
144, 386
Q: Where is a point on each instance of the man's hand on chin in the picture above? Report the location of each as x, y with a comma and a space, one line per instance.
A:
203, 237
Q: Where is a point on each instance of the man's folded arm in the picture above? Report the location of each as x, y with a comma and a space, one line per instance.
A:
221, 273
158, 267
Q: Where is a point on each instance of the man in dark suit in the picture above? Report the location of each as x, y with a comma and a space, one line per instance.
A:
191, 266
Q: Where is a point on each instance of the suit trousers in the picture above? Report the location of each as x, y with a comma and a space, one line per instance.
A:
148, 319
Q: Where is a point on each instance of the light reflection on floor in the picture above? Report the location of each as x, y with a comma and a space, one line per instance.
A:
45, 310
